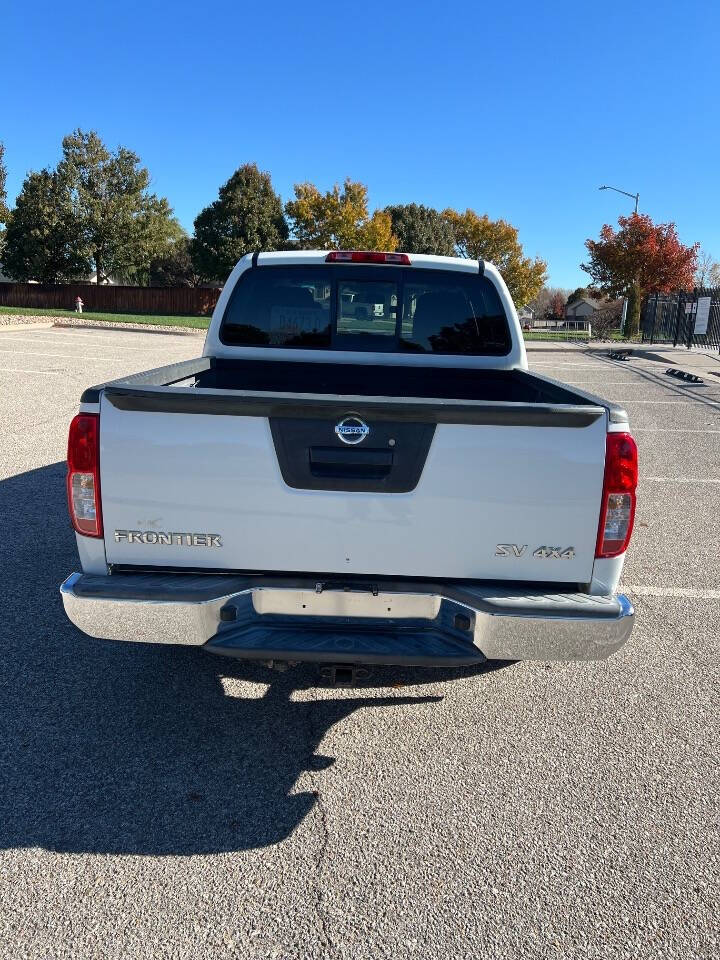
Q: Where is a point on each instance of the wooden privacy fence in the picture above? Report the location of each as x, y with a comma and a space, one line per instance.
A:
163, 301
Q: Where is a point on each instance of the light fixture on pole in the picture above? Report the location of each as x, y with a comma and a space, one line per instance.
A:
633, 196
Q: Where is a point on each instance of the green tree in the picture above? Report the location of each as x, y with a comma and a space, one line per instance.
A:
578, 294
173, 266
421, 229
40, 240
3, 190
338, 219
120, 226
247, 216
496, 241
4, 212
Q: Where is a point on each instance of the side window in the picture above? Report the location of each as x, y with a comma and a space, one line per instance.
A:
279, 310
435, 317
461, 318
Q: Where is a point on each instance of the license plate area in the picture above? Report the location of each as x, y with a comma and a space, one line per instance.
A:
346, 603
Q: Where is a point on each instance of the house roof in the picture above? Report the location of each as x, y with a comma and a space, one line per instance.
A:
595, 304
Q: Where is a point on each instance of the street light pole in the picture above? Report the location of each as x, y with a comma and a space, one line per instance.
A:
634, 196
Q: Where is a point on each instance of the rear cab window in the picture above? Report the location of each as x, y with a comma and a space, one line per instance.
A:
366, 308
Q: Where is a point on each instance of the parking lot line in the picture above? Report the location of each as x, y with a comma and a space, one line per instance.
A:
681, 479
52, 373
48, 334
679, 592
126, 346
65, 356
669, 430
604, 383
672, 403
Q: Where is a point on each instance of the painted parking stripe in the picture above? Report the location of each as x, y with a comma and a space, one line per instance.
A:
692, 388
680, 479
679, 592
49, 334
662, 430
134, 347
52, 339
51, 373
65, 356
606, 383
706, 401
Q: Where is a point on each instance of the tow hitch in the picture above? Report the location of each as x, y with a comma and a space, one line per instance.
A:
343, 674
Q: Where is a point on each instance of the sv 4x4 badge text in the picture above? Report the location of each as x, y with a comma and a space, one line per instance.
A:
541, 553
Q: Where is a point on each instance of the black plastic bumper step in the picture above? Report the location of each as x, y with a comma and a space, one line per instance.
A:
374, 644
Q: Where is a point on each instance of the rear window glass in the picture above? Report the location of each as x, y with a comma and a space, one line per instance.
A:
366, 308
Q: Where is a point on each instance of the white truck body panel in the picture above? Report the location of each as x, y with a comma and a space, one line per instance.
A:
481, 486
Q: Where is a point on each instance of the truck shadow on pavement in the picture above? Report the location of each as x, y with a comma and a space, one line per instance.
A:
131, 748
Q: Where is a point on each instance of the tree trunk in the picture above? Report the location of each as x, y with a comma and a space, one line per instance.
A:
98, 265
632, 321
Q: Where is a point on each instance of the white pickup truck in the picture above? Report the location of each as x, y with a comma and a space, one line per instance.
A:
352, 487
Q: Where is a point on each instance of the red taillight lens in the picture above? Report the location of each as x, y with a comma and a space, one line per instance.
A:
618, 500
83, 478
367, 256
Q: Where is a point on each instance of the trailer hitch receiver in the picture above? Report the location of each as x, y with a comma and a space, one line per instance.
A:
344, 674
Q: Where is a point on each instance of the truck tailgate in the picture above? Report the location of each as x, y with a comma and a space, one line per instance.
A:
262, 487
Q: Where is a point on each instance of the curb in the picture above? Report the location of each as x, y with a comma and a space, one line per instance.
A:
131, 328
20, 325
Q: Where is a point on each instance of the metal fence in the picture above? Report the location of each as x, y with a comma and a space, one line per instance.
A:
170, 301
677, 317
557, 329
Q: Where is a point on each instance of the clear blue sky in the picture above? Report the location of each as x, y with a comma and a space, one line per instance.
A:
520, 110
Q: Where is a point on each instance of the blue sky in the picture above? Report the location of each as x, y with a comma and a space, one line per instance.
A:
519, 110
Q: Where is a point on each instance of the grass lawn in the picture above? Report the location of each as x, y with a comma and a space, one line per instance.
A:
559, 336
616, 335
201, 323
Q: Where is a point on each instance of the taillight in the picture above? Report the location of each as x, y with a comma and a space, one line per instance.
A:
83, 478
367, 256
618, 499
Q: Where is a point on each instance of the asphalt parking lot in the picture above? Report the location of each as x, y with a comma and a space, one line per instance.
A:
164, 803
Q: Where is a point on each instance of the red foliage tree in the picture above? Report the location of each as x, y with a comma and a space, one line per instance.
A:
557, 306
641, 257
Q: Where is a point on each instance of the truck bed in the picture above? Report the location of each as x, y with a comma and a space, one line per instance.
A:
444, 394
242, 450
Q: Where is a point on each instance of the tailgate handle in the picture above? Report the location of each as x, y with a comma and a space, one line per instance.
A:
351, 464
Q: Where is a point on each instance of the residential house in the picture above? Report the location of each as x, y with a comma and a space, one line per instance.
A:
525, 316
583, 309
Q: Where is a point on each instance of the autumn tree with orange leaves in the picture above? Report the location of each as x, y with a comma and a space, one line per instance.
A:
641, 257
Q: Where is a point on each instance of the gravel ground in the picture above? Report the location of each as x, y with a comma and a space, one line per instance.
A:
12, 320
165, 803
141, 327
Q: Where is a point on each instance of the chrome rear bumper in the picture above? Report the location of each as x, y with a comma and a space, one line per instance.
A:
417, 622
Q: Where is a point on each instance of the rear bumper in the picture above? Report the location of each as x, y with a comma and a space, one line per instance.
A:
313, 619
